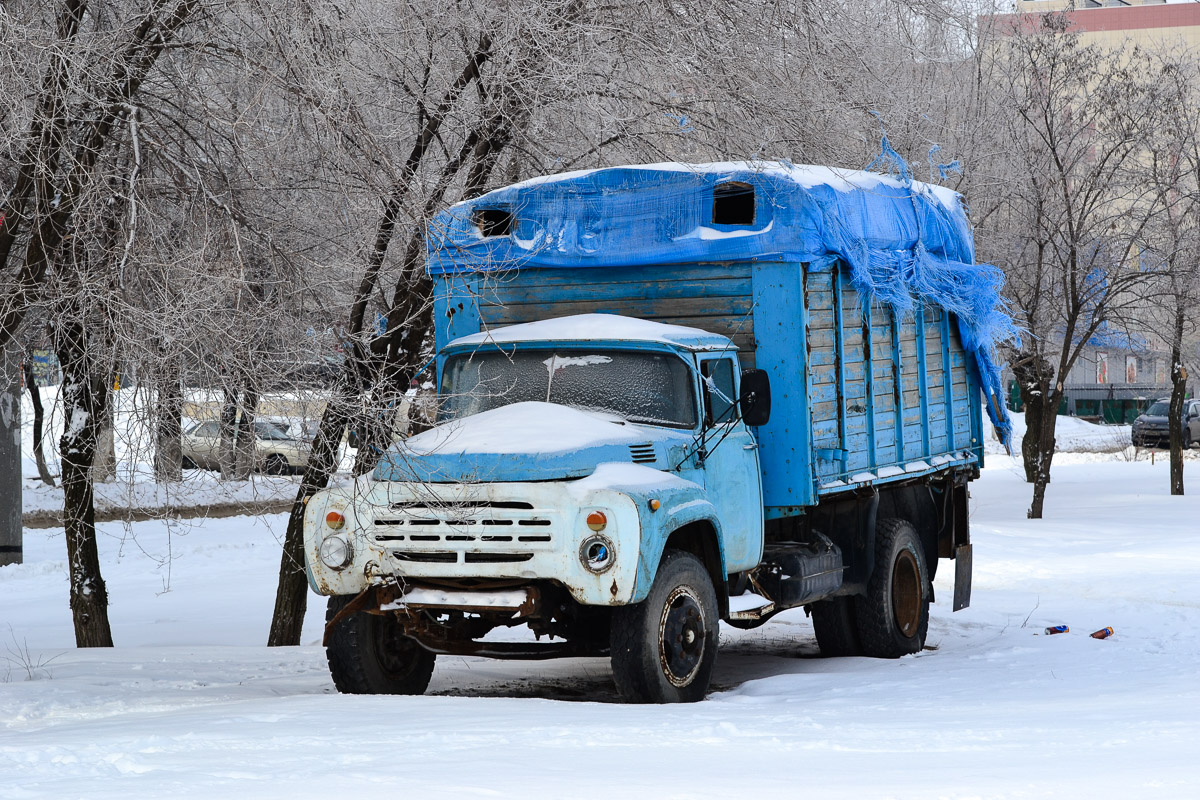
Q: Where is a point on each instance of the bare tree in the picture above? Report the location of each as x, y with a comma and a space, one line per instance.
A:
1172, 252
39, 416
1075, 118
95, 67
204, 194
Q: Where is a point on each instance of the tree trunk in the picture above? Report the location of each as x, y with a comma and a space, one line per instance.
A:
1175, 419
84, 401
292, 593
291, 596
401, 345
244, 450
228, 433
1031, 441
104, 464
1033, 376
35, 396
168, 437
1043, 450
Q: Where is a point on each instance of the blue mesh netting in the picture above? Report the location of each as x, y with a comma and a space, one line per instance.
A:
902, 239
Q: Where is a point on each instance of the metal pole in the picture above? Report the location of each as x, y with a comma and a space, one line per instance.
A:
10, 456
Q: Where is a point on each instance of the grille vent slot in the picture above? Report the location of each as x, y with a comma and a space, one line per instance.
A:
642, 453
426, 558
496, 558
515, 505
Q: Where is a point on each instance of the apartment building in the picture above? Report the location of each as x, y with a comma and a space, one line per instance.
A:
1150, 23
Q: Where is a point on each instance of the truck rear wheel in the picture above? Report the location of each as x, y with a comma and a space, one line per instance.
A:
664, 648
369, 654
836, 626
893, 617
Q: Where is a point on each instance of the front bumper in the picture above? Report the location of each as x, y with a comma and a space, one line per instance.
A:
1151, 436
523, 532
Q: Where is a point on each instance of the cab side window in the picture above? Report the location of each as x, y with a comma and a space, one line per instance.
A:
720, 404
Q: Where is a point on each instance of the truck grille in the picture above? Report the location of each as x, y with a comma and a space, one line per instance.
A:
471, 532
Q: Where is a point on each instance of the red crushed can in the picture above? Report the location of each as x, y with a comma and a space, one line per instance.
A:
1057, 629
1103, 633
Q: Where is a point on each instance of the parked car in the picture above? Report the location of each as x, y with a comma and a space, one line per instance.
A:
1151, 429
280, 446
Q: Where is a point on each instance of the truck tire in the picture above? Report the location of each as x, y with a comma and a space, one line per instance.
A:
664, 648
836, 627
893, 617
369, 654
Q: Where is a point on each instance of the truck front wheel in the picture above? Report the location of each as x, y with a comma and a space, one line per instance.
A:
369, 654
664, 648
893, 617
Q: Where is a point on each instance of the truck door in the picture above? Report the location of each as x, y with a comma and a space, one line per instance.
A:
731, 472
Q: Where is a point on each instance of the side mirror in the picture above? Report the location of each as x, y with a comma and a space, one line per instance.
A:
755, 402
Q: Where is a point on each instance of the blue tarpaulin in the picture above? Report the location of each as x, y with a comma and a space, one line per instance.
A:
902, 239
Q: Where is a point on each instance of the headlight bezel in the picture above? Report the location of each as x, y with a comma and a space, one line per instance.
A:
335, 551
597, 553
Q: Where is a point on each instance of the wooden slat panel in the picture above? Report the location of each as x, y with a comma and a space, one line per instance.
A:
606, 276
645, 308
506, 294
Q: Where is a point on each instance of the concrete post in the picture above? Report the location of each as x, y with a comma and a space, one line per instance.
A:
10, 456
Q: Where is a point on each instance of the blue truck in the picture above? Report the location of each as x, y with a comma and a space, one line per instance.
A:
671, 395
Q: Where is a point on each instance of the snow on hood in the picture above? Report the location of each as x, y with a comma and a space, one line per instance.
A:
631, 478
524, 428
518, 442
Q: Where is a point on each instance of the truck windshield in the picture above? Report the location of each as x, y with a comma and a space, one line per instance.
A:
654, 388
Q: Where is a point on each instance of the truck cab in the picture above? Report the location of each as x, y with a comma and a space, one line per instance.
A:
570, 455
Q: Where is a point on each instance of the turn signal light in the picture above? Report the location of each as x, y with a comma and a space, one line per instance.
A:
335, 520
597, 521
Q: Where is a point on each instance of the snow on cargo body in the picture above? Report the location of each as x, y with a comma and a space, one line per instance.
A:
664, 390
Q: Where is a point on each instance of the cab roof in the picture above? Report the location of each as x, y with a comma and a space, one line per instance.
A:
596, 328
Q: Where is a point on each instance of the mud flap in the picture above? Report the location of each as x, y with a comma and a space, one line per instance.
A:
962, 577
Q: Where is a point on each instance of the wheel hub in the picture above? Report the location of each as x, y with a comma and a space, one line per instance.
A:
397, 653
906, 594
681, 636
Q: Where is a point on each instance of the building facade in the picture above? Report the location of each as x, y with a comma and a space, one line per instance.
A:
1115, 378
1150, 23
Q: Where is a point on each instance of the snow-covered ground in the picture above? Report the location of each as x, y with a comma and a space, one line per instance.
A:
191, 704
133, 486
1073, 435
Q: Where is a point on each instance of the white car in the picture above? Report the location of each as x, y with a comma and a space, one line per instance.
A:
280, 447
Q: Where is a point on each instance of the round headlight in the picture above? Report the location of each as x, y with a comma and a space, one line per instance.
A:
335, 552
597, 553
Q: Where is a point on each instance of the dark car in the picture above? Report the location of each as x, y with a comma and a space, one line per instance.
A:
1151, 428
